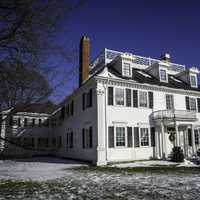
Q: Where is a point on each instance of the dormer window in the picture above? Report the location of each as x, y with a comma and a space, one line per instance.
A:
163, 75
126, 69
193, 80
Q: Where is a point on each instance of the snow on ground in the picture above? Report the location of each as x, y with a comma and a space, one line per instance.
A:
154, 163
36, 169
57, 180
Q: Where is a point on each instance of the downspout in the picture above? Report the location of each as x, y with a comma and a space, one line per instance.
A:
105, 109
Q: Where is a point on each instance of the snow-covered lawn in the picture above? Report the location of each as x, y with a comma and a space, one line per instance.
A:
50, 178
154, 163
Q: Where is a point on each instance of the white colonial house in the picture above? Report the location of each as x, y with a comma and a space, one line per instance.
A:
128, 107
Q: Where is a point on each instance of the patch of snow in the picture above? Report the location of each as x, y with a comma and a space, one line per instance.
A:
38, 169
154, 163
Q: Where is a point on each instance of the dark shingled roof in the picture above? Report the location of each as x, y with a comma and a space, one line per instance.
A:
141, 76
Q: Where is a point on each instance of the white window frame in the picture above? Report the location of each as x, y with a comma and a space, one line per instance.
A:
164, 70
139, 91
123, 69
124, 97
120, 125
140, 138
190, 98
195, 79
87, 137
124, 128
171, 103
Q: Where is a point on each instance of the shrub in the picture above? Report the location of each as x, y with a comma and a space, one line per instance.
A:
177, 154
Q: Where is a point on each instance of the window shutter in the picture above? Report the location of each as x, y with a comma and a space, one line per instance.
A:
135, 98
198, 104
150, 99
187, 103
128, 97
111, 136
110, 95
196, 135
90, 132
189, 136
83, 101
129, 137
90, 97
71, 140
153, 144
136, 137
83, 138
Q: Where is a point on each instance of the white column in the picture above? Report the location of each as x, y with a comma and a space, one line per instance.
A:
2, 133
101, 133
193, 140
163, 141
157, 154
177, 142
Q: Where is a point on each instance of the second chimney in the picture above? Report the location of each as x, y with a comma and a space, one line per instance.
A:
84, 59
165, 57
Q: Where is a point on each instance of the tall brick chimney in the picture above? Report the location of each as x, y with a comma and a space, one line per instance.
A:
84, 59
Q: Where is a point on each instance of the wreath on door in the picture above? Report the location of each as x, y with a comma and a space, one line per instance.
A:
172, 136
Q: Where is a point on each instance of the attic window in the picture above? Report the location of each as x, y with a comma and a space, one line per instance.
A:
163, 75
193, 80
127, 69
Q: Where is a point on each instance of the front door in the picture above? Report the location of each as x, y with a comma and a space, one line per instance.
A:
170, 139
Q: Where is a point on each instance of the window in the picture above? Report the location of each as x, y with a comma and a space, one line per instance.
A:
143, 99
70, 140
19, 122
87, 100
87, 137
169, 102
127, 69
192, 104
25, 122
163, 75
119, 96
193, 80
120, 136
144, 137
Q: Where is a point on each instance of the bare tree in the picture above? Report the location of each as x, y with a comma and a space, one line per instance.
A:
21, 85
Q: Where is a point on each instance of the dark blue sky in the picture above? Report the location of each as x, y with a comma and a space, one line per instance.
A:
142, 27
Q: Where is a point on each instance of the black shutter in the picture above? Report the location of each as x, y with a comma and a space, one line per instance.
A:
136, 137
150, 99
90, 134
129, 137
153, 144
83, 138
90, 97
71, 140
128, 97
196, 135
83, 101
189, 136
135, 98
111, 136
110, 95
198, 104
187, 103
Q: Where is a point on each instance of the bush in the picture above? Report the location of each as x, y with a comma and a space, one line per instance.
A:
177, 154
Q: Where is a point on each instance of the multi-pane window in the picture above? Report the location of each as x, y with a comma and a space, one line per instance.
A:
163, 75
143, 99
193, 80
69, 140
119, 96
127, 69
87, 137
120, 136
193, 104
144, 137
169, 102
